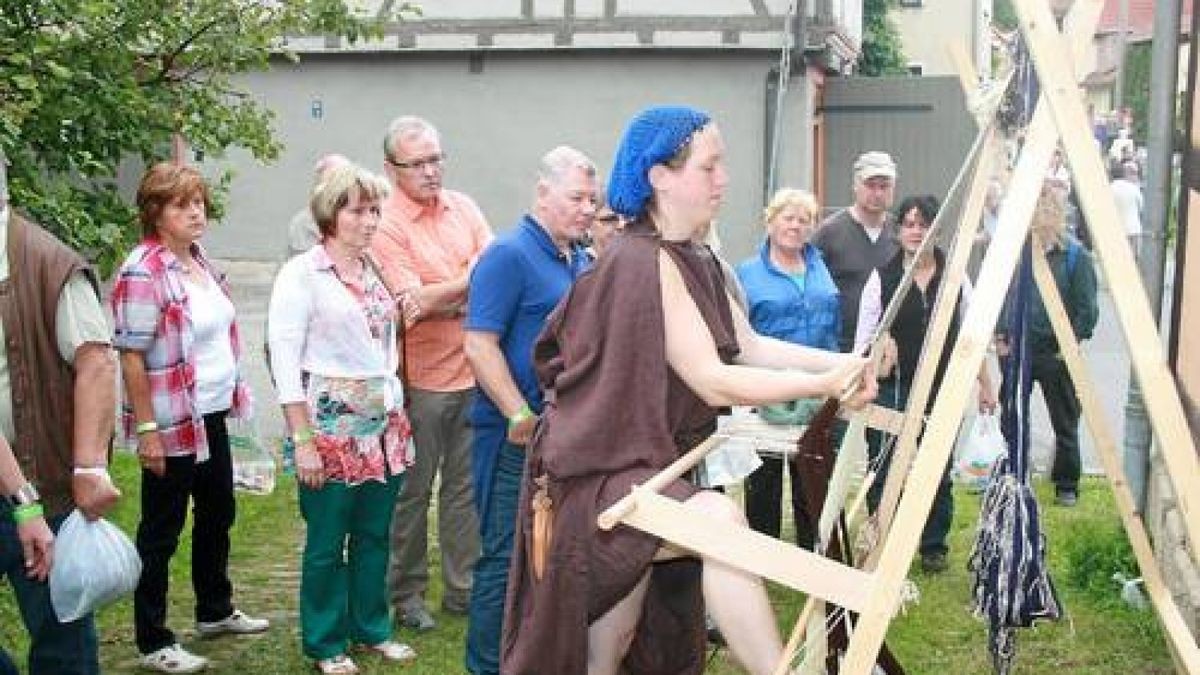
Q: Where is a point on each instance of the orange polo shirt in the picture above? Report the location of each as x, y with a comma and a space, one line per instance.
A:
418, 245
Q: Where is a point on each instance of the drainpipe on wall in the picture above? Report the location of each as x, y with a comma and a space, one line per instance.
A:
1189, 181
772, 125
1122, 50
773, 128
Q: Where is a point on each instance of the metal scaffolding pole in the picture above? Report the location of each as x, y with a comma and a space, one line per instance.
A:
1160, 125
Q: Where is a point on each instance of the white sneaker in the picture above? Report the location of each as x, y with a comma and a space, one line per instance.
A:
237, 623
173, 659
391, 650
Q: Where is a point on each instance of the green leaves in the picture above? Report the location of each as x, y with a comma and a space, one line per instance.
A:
88, 84
1003, 15
882, 53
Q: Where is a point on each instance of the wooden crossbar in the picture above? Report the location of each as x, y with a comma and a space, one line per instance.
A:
748, 550
878, 417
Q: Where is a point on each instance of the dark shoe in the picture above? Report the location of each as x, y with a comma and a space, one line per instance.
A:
455, 609
418, 619
1066, 496
934, 563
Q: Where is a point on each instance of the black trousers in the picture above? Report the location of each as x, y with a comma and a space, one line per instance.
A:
1050, 373
209, 486
764, 489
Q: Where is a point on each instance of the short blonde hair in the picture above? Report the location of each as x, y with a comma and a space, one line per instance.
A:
333, 191
1050, 215
785, 197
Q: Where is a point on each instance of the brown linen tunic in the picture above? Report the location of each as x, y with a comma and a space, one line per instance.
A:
615, 415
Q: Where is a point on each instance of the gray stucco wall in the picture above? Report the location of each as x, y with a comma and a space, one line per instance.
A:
497, 113
922, 121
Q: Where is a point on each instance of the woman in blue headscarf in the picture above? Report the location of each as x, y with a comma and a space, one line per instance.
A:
636, 362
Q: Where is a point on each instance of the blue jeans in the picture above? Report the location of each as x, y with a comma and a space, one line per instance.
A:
937, 526
55, 648
486, 616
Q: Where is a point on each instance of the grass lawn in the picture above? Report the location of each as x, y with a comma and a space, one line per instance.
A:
938, 635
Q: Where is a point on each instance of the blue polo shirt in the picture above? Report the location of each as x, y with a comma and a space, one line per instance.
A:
518, 280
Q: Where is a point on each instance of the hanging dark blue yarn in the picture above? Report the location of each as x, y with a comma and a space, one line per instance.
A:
1011, 587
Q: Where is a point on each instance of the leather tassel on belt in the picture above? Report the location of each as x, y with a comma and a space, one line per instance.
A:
543, 525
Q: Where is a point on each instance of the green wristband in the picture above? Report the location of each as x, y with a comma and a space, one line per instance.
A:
520, 416
303, 436
27, 512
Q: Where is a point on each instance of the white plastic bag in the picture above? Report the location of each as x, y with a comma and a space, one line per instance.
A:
728, 464
983, 446
253, 465
94, 564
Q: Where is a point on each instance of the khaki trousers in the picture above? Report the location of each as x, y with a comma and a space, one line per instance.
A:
442, 437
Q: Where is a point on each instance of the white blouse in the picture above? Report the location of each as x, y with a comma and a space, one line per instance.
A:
211, 315
316, 325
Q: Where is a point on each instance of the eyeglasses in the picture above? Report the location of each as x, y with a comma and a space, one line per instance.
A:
434, 161
915, 224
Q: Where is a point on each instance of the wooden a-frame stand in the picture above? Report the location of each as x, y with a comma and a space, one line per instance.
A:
874, 591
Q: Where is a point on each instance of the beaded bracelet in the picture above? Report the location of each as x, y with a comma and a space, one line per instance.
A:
27, 512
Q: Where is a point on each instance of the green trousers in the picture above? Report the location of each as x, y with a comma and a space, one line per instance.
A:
343, 584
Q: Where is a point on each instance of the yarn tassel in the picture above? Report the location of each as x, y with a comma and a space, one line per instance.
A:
1010, 585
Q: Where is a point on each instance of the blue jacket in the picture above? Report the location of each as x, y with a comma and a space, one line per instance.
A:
779, 308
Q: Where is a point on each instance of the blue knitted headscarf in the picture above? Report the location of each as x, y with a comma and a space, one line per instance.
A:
654, 136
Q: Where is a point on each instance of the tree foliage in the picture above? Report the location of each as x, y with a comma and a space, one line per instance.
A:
1136, 84
88, 84
1003, 14
882, 51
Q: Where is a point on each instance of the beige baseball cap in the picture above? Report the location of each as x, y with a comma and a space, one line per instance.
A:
872, 164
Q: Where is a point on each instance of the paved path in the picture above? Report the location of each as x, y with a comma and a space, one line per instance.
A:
251, 285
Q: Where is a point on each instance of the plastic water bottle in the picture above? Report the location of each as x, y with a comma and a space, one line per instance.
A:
254, 467
1131, 592
289, 457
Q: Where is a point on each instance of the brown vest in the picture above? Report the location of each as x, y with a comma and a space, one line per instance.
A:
42, 383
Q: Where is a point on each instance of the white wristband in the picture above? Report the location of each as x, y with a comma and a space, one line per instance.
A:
91, 471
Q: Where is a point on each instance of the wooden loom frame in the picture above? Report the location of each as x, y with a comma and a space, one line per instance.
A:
874, 592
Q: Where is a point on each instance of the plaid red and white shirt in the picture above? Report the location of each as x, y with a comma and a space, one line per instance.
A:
150, 312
